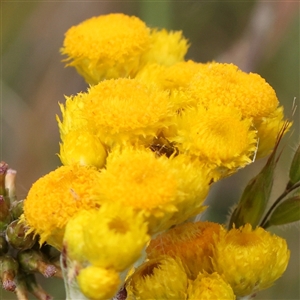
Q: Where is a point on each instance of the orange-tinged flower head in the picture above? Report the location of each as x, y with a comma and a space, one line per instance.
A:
56, 197
108, 46
217, 136
159, 278
166, 48
249, 259
192, 243
210, 287
167, 190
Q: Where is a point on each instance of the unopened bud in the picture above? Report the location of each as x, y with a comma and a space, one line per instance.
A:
3, 245
17, 209
21, 288
10, 185
34, 288
295, 168
33, 261
3, 170
286, 212
255, 197
8, 271
17, 238
5, 216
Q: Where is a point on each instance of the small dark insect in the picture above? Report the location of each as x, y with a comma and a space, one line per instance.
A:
162, 146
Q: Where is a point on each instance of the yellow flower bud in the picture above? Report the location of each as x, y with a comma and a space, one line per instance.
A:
210, 287
82, 147
98, 283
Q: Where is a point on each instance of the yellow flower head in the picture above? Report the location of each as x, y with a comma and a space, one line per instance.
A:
210, 287
166, 48
73, 241
217, 136
160, 278
190, 242
56, 197
114, 236
123, 111
250, 260
98, 283
268, 129
82, 147
72, 116
171, 77
224, 84
168, 191
108, 46
219, 84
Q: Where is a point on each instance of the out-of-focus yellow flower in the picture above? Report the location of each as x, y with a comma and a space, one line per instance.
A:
167, 190
56, 197
267, 131
108, 46
210, 287
171, 77
192, 243
159, 278
250, 260
114, 236
74, 236
72, 115
82, 147
121, 111
217, 136
98, 283
218, 84
166, 48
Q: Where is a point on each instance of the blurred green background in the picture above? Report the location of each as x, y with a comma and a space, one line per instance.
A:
258, 36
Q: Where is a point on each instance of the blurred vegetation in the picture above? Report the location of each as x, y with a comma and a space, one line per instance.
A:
258, 36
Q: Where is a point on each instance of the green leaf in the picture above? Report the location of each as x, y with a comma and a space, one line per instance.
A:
255, 197
286, 212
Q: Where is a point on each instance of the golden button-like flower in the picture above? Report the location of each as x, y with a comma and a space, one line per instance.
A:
98, 283
218, 84
120, 111
217, 136
166, 48
250, 259
167, 190
160, 278
108, 46
56, 197
114, 236
210, 287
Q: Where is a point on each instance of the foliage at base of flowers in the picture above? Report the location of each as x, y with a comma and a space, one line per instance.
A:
140, 150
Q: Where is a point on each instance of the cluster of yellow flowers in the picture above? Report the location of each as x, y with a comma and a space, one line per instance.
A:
140, 150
